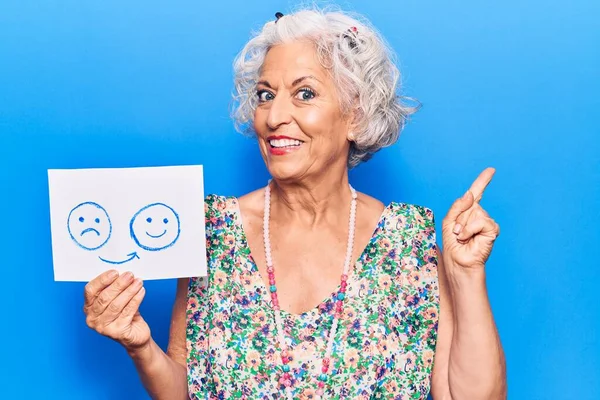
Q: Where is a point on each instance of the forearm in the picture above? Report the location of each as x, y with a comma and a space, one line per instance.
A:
476, 366
162, 377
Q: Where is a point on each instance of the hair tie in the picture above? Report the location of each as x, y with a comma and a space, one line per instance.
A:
278, 15
351, 36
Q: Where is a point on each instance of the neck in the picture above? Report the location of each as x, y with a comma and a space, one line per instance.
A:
310, 203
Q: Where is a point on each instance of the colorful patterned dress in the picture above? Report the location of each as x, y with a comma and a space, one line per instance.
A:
385, 342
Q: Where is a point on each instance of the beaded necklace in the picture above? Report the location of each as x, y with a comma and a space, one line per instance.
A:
285, 378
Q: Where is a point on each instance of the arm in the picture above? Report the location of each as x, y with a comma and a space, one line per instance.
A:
164, 375
112, 309
469, 361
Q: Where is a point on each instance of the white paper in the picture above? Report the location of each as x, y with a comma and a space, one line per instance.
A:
149, 221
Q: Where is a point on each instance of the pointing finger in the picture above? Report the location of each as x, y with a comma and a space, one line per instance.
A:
481, 183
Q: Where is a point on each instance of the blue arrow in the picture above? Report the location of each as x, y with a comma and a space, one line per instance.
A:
131, 257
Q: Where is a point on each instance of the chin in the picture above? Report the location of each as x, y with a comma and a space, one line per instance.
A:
286, 171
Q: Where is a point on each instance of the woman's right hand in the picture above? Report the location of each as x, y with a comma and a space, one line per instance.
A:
111, 306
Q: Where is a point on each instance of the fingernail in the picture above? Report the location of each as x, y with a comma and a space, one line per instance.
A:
113, 274
127, 275
465, 195
457, 229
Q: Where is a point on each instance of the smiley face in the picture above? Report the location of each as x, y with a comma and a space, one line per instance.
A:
89, 225
155, 227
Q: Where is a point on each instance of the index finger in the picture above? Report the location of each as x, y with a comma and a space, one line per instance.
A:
479, 185
97, 285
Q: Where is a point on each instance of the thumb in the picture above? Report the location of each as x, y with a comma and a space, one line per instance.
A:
460, 206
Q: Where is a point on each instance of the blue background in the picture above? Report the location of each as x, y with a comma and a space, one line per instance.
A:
511, 84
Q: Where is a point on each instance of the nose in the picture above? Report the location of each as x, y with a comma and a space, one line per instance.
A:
280, 112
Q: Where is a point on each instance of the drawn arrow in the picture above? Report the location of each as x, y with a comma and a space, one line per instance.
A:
130, 255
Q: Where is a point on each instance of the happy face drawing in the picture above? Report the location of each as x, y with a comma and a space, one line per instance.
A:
154, 227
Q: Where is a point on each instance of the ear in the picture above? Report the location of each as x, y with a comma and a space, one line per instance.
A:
353, 119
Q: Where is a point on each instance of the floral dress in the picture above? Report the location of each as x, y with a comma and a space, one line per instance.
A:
385, 342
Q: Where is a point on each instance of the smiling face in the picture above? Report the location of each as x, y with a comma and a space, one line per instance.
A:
300, 127
155, 227
89, 225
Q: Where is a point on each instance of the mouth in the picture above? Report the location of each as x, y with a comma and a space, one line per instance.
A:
131, 256
89, 230
156, 236
279, 145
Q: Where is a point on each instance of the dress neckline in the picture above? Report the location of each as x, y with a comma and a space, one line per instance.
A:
355, 270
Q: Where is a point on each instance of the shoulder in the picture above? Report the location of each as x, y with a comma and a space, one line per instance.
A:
398, 216
412, 215
412, 227
411, 220
215, 205
219, 212
227, 211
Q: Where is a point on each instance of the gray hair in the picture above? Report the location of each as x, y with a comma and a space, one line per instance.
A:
359, 61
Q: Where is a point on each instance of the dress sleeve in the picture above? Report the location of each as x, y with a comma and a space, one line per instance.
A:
425, 316
197, 313
418, 308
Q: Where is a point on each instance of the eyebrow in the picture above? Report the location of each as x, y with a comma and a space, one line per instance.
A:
295, 83
303, 78
264, 83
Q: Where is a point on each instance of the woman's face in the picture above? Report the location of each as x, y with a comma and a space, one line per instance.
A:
299, 124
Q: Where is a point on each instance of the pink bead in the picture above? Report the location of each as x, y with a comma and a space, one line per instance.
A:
326, 361
287, 383
319, 392
270, 270
343, 284
287, 376
343, 289
321, 384
284, 353
344, 277
271, 280
285, 360
324, 368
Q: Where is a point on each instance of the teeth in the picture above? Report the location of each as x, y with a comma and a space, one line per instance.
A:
284, 142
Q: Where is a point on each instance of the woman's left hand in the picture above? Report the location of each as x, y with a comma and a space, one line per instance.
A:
468, 232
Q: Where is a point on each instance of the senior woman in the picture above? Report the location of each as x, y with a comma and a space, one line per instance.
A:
315, 290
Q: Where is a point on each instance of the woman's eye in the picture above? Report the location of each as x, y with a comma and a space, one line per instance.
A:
305, 94
264, 95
